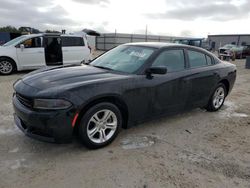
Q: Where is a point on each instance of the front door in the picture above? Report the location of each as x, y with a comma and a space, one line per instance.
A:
171, 89
30, 53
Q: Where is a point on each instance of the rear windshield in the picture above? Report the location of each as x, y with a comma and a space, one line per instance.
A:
72, 41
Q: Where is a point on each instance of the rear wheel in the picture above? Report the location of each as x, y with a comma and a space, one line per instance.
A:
7, 66
100, 125
217, 99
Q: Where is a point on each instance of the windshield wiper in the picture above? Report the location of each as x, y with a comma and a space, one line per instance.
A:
101, 67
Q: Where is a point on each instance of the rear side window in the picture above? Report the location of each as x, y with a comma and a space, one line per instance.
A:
196, 59
72, 41
173, 60
209, 60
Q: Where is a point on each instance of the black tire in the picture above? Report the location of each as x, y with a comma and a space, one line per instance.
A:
210, 106
10, 62
84, 124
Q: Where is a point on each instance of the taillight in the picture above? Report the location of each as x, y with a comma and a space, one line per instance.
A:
89, 48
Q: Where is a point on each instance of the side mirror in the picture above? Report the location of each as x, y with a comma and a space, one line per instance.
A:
156, 70
22, 46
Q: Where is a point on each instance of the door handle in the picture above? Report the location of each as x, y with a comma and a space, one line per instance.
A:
190, 77
40, 52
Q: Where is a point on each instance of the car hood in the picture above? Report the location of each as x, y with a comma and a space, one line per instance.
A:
231, 49
68, 77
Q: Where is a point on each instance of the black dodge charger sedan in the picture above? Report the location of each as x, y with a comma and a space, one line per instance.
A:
123, 87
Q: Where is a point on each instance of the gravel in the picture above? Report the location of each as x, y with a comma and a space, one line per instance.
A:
192, 149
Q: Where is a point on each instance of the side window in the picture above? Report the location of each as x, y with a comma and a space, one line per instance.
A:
196, 59
53, 43
33, 43
209, 60
173, 60
72, 41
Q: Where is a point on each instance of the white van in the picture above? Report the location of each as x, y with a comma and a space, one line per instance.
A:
38, 50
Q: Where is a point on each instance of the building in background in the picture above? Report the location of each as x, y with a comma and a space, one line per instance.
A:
216, 41
7, 36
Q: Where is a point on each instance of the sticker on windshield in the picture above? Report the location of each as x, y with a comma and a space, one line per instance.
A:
137, 54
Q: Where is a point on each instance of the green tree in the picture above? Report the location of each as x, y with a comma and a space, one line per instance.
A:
9, 29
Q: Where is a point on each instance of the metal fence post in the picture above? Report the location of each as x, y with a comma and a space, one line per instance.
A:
96, 44
104, 40
248, 62
115, 42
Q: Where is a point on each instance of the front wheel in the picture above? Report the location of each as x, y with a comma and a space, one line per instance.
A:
100, 125
7, 66
217, 99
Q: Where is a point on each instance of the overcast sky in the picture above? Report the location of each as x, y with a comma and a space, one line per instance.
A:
165, 17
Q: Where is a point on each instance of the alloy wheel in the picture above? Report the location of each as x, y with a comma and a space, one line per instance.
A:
5, 67
218, 97
102, 126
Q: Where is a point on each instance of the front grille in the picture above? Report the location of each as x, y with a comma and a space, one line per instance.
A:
24, 100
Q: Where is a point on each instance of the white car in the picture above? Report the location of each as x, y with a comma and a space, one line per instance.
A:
39, 50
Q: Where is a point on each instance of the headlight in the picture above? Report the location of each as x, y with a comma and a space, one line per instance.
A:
51, 104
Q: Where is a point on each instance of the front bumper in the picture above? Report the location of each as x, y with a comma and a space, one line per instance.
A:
49, 126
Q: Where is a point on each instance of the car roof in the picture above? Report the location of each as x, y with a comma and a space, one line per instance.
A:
33, 35
162, 45
53, 34
189, 39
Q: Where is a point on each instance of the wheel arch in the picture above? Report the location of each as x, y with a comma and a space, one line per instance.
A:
7, 57
114, 99
226, 83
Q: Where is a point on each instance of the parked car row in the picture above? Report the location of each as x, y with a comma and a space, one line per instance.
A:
198, 42
233, 52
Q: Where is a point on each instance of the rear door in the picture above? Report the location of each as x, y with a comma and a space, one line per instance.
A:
74, 49
32, 55
202, 78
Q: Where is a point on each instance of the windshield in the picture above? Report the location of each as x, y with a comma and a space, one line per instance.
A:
15, 41
124, 58
229, 46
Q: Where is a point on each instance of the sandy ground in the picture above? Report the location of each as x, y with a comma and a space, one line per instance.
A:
194, 149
